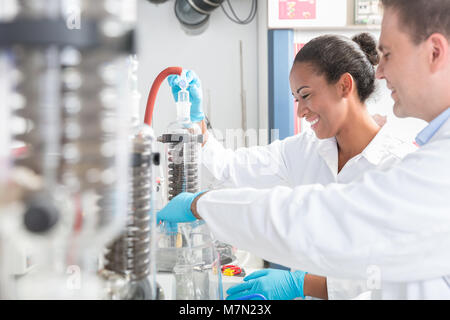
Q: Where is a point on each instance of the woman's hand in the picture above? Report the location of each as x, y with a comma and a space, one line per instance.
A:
195, 93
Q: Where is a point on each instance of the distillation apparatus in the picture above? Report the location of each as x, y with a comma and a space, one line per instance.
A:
68, 98
183, 141
5, 146
130, 259
187, 250
80, 187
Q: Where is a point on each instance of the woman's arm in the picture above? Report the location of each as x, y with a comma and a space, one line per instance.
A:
257, 167
315, 286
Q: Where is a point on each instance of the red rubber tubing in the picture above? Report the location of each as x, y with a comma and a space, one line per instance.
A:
154, 91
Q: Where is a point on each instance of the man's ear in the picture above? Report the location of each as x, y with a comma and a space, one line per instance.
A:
345, 85
438, 47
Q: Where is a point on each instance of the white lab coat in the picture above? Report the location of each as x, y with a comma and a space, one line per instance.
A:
388, 229
301, 160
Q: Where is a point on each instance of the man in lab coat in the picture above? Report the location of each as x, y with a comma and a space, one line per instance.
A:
394, 226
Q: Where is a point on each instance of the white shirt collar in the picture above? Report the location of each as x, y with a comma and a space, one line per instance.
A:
327, 149
380, 146
378, 149
385, 144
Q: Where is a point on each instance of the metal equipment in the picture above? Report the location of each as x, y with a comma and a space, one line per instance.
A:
186, 250
130, 256
68, 98
80, 197
193, 15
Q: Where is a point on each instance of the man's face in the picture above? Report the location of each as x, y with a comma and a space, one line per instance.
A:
403, 66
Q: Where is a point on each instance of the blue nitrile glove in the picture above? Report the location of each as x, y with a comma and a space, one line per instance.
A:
274, 284
195, 93
178, 209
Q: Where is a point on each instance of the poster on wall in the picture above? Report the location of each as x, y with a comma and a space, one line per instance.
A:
307, 13
297, 10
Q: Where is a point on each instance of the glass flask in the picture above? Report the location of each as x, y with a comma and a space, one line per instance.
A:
187, 249
192, 257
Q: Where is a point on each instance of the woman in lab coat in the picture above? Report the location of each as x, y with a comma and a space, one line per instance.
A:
331, 78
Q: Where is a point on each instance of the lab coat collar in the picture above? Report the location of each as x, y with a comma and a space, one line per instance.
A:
377, 150
380, 146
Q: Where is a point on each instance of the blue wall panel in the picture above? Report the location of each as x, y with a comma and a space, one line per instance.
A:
281, 104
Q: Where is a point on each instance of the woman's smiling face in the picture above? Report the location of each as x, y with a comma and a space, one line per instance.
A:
318, 101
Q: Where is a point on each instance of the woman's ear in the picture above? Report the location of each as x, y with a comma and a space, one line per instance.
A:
345, 85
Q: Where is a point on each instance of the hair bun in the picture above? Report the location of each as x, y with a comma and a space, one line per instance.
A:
368, 45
